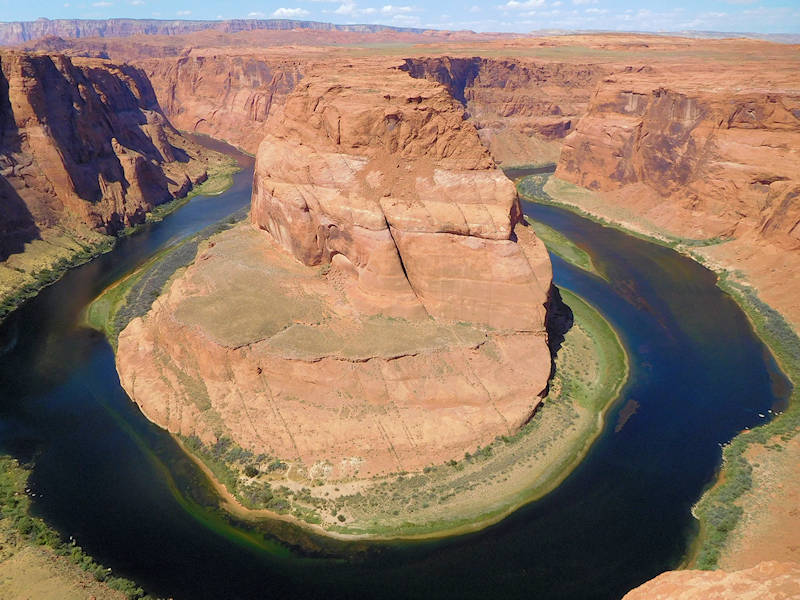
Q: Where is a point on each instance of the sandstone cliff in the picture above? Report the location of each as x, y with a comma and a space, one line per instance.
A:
699, 156
387, 310
84, 150
522, 108
226, 96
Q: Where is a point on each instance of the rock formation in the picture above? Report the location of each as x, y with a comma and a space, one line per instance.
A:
766, 581
84, 141
385, 311
701, 156
522, 108
226, 96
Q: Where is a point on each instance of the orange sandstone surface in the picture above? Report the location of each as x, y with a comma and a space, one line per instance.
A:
770, 580
385, 309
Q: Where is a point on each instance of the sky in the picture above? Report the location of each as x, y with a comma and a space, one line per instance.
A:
759, 16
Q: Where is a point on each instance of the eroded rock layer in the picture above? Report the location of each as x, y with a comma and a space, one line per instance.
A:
708, 157
83, 141
522, 108
384, 311
225, 96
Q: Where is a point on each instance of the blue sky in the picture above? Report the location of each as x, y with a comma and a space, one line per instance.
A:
762, 16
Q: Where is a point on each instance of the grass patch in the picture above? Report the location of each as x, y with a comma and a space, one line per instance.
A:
48, 267
19, 529
561, 245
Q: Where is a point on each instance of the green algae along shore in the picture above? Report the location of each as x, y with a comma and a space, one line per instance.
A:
730, 504
461, 495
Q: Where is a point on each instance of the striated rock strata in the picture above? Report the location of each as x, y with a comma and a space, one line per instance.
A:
384, 311
708, 157
225, 96
522, 108
83, 142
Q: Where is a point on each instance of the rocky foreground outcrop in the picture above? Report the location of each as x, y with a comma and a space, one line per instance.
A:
769, 580
384, 311
83, 142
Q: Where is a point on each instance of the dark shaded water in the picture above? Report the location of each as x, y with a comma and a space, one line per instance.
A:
117, 483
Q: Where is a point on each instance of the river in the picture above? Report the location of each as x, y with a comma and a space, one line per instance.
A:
122, 488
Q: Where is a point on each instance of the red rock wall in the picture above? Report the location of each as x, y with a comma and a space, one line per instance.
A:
225, 96
390, 184
83, 139
725, 160
521, 107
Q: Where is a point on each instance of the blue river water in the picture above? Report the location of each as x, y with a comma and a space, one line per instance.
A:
124, 490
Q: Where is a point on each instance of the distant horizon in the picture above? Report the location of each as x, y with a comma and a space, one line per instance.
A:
553, 31
757, 17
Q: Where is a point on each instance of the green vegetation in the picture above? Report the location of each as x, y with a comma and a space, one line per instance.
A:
718, 511
482, 487
133, 295
31, 282
249, 478
561, 245
18, 529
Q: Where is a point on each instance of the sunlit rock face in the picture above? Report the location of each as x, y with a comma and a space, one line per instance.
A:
384, 310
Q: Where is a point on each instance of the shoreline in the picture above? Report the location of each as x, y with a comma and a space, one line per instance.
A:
106, 243
568, 460
709, 540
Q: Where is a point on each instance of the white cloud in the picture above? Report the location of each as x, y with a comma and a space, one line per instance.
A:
390, 9
475, 9
256, 14
351, 9
406, 20
579, 2
66, 4
516, 5
102, 4
137, 2
183, 13
289, 13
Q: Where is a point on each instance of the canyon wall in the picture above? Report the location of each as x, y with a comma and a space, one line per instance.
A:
728, 156
85, 151
85, 139
710, 158
225, 96
389, 299
522, 108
